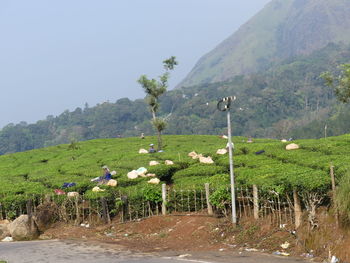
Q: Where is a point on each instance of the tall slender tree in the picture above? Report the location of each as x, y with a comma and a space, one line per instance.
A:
154, 89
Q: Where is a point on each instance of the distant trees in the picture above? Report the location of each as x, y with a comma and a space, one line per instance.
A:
340, 84
290, 100
154, 89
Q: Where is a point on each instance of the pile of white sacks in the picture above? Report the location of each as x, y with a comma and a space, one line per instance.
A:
143, 151
167, 162
143, 172
221, 151
111, 182
202, 159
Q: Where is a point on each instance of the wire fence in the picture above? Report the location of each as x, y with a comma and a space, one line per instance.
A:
264, 204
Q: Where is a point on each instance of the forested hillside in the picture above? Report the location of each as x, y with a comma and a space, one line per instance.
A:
287, 100
283, 29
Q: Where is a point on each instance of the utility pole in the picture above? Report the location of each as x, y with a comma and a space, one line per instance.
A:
224, 105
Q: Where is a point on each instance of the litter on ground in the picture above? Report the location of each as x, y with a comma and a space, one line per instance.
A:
7, 239
285, 245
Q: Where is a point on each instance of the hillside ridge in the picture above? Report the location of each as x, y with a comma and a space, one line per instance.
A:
282, 29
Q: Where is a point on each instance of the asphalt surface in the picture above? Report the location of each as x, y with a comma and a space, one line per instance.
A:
80, 252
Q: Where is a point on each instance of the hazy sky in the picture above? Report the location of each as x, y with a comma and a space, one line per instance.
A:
58, 54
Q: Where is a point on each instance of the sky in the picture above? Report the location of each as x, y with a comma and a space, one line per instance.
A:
58, 55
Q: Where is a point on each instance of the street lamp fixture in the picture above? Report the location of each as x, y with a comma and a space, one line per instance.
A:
224, 104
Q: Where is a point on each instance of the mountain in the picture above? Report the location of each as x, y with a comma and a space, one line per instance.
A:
288, 100
272, 64
282, 29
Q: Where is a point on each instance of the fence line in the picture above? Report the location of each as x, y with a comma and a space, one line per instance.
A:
262, 204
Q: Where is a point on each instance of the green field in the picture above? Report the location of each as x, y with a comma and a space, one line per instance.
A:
39, 172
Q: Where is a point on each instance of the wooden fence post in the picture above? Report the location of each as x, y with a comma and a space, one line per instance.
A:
163, 199
104, 210
30, 213
1, 218
297, 209
334, 194
210, 208
125, 201
256, 202
77, 219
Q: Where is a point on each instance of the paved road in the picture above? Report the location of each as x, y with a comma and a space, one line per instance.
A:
79, 252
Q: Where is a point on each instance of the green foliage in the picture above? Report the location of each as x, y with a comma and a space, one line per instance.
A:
199, 170
191, 182
244, 150
256, 47
73, 146
159, 124
221, 199
170, 63
341, 83
275, 104
343, 197
165, 172
154, 89
90, 195
152, 193
219, 180
24, 175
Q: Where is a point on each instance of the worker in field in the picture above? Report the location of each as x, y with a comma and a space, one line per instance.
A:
151, 148
106, 173
103, 179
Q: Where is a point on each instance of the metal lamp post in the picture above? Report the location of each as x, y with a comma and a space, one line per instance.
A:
224, 105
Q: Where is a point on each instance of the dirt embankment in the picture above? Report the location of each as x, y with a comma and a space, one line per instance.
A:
196, 232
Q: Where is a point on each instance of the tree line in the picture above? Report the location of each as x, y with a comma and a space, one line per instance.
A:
287, 100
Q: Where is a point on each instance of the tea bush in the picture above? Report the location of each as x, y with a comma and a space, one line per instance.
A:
199, 170
38, 172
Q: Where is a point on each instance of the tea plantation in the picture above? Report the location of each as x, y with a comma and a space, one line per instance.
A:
39, 172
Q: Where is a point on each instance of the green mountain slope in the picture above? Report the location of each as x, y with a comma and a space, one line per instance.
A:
273, 104
283, 29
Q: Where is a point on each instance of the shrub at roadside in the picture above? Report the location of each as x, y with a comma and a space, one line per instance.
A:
343, 197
